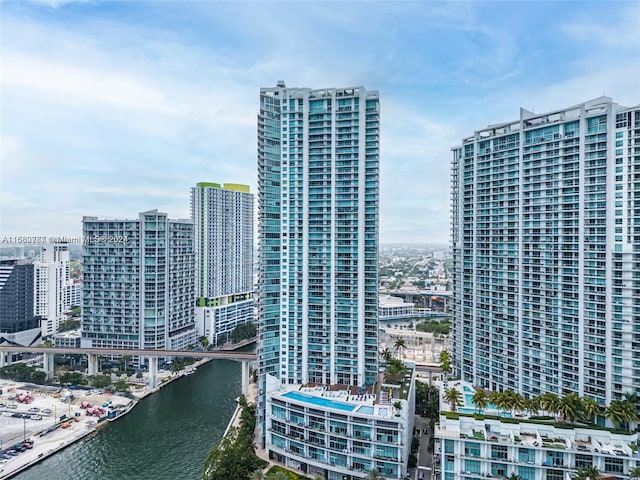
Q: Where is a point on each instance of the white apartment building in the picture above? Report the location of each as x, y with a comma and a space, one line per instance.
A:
223, 219
546, 250
138, 284
497, 444
51, 284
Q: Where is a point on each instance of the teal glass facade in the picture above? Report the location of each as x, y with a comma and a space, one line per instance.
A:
318, 191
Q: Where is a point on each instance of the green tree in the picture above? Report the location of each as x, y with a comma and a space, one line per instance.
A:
615, 413
590, 409
122, 386
257, 475
532, 405
100, 381
517, 402
400, 345
549, 403
204, 341
445, 361
397, 406
480, 400
386, 355
453, 397
126, 359
634, 473
514, 476
373, 474
569, 407
587, 473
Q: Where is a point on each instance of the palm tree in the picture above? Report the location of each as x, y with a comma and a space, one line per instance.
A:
453, 397
615, 413
445, 361
587, 473
569, 407
634, 473
504, 400
280, 476
517, 402
257, 475
532, 405
400, 345
495, 398
631, 404
386, 355
126, 359
204, 341
549, 402
514, 476
480, 400
373, 474
397, 406
590, 409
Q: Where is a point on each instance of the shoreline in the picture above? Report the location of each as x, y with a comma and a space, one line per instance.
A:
58, 439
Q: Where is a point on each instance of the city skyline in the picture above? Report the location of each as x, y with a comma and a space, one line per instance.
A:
105, 106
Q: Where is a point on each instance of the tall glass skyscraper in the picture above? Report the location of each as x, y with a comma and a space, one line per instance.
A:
318, 195
546, 250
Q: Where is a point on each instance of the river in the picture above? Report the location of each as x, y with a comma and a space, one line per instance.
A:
166, 436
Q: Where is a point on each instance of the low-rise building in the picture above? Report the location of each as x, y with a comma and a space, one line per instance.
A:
69, 339
341, 432
470, 446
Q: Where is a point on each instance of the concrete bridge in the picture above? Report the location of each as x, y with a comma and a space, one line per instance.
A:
92, 353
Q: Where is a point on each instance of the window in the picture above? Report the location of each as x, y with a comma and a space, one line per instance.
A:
583, 460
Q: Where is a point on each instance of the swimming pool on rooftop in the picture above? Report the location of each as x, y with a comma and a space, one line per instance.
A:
322, 402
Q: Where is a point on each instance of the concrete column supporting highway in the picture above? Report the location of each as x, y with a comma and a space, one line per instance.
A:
92, 364
153, 372
48, 365
245, 377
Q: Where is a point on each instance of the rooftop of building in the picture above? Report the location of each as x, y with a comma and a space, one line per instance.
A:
69, 334
517, 428
378, 400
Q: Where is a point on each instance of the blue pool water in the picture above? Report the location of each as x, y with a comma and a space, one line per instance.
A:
474, 410
469, 403
467, 389
323, 402
366, 410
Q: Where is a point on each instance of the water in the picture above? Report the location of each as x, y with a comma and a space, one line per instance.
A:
166, 436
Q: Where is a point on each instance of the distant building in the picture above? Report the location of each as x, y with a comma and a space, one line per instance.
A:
74, 293
223, 219
138, 283
393, 308
19, 325
546, 253
69, 339
52, 280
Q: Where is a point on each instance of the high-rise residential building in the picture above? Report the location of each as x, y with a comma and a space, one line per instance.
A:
52, 282
546, 250
138, 284
322, 409
223, 221
19, 324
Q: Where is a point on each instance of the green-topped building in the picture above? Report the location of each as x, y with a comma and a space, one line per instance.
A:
223, 218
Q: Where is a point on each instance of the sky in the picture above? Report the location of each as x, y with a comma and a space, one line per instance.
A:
110, 108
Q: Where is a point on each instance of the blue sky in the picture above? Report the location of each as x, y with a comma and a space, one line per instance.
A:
111, 108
